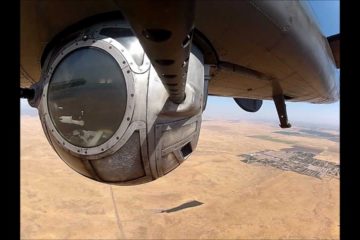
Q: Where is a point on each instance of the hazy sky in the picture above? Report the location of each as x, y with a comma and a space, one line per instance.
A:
327, 14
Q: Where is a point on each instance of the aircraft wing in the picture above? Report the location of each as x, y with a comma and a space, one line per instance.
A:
248, 45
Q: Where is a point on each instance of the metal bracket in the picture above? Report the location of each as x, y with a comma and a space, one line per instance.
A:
166, 43
27, 93
279, 101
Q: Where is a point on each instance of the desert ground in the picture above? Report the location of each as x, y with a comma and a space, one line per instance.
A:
214, 194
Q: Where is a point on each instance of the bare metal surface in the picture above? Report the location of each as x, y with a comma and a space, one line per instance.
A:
124, 165
155, 135
171, 118
167, 43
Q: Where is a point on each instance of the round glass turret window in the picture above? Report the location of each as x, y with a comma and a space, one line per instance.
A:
87, 97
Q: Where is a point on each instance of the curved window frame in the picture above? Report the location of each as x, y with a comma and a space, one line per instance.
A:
117, 71
114, 50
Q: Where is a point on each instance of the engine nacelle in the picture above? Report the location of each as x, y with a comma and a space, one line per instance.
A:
106, 113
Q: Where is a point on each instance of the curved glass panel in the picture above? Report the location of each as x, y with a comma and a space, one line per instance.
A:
87, 97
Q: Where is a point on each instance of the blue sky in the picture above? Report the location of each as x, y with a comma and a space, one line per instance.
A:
327, 15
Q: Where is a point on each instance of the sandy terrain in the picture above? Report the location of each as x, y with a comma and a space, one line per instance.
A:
223, 197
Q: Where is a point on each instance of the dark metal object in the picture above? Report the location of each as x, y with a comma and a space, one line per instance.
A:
167, 43
249, 105
279, 101
334, 42
27, 93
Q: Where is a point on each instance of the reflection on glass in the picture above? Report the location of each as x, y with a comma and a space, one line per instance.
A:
87, 97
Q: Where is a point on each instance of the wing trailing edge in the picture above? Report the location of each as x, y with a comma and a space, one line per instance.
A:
334, 42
